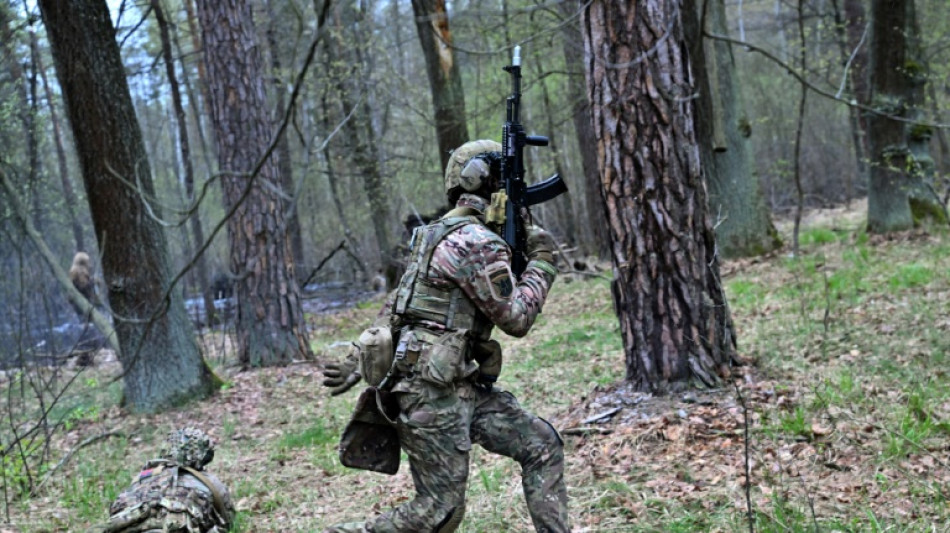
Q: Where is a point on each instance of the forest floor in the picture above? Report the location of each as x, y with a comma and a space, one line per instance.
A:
840, 421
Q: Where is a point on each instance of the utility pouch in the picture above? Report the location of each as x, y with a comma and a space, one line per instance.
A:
370, 441
376, 354
446, 360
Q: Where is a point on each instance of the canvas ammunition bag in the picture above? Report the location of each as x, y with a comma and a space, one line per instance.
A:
370, 441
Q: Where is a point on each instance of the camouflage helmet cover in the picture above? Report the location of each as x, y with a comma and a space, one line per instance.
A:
461, 155
189, 447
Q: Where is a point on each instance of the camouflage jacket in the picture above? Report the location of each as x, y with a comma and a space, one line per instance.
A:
165, 497
477, 260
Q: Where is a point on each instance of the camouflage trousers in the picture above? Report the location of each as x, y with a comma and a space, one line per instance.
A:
436, 430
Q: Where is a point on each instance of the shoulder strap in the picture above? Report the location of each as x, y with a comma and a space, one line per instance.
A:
215, 493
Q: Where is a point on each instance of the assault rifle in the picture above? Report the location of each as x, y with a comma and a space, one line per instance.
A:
518, 196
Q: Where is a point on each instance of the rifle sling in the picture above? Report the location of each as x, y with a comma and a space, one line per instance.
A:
215, 494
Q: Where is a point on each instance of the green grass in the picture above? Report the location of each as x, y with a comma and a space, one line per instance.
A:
851, 336
315, 435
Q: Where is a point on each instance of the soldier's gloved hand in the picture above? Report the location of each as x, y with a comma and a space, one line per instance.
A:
341, 377
540, 245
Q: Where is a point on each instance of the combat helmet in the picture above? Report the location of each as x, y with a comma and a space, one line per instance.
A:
189, 447
459, 158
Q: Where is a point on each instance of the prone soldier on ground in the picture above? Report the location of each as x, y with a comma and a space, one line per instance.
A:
174, 493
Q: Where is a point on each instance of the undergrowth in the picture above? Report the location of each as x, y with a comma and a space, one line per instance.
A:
848, 400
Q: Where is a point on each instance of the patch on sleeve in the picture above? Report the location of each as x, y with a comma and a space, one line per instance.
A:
501, 283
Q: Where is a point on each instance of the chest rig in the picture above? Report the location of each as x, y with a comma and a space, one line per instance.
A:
418, 300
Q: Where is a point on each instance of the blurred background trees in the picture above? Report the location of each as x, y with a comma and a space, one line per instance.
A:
348, 144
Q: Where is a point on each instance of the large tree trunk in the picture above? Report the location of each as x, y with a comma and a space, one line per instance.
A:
270, 322
160, 359
448, 98
898, 192
184, 146
674, 320
595, 225
736, 202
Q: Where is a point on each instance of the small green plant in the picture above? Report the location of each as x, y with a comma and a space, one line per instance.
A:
909, 276
795, 422
744, 293
315, 435
818, 236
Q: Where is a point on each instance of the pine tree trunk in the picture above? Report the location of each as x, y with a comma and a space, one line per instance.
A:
674, 320
161, 363
270, 322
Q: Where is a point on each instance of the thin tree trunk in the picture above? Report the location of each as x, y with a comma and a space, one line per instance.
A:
597, 238
285, 165
857, 45
69, 195
448, 97
562, 205
335, 188
674, 319
161, 363
359, 133
184, 146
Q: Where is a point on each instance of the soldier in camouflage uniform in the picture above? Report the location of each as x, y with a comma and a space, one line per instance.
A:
457, 287
173, 494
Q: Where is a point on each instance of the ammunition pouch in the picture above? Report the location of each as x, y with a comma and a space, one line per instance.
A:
376, 354
370, 441
446, 358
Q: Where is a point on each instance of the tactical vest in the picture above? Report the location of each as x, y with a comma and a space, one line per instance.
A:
165, 495
418, 299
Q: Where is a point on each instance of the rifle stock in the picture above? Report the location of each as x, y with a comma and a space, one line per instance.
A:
520, 196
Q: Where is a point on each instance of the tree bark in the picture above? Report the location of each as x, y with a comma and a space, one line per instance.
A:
184, 146
161, 363
856, 49
674, 319
270, 324
898, 194
736, 202
448, 97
